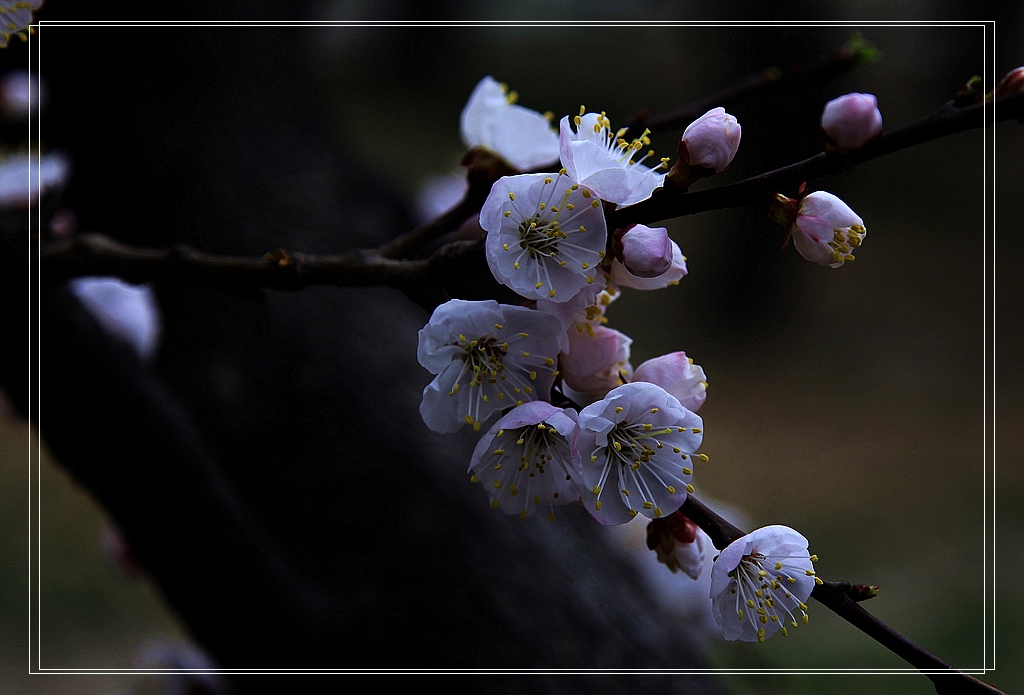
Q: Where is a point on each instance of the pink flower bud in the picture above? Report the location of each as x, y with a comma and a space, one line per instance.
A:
594, 361
1012, 83
851, 120
677, 374
646, 252
711, 141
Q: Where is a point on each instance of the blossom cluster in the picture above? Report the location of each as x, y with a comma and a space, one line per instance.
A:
565, 417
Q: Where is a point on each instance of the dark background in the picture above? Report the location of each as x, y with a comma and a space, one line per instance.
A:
849, 404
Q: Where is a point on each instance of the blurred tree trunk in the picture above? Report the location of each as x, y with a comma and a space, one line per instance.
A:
272, 472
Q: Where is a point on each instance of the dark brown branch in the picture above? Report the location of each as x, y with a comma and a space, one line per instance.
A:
842, 599
455, 269
666, 204
483, 169
94, 254
764, 82
98, 255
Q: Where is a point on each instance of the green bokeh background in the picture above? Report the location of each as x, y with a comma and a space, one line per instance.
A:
849, 404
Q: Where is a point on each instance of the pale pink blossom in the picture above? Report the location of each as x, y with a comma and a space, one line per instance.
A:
487, 357
529, 459
596, 360
620, 276
826, 230
546, 236
760, 582
711, 141
600, 159
646, 251
677, 374
491, 119
637, 445
852, 120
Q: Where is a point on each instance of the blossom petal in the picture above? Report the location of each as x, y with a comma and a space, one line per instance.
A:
521, 136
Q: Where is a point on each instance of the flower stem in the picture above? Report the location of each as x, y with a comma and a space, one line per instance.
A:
841, 598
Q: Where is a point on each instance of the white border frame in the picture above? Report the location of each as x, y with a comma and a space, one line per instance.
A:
988, 344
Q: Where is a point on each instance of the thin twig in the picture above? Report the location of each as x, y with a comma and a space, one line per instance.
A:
763, 82
842, 599
95, 254
482, 170
98, 255
666, 204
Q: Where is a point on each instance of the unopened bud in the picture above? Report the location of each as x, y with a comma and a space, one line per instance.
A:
677, 374
851, 121
646, 252
1012, 83
862, 592
711, 141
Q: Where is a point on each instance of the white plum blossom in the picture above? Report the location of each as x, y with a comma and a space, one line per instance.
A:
487, 357
826, 230
602, 160
546, 236
491, 119
620, 276
852, 120
677, 374
597, 360
529, 459
760, 582
646, 251
711, 141
637, 446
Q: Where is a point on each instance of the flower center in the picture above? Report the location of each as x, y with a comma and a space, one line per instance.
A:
630, 445
618, 148
536, 442
844, 241
484, 361
522, 457
484, 356
762, 594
